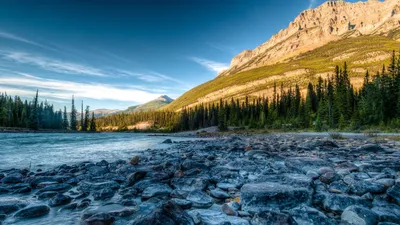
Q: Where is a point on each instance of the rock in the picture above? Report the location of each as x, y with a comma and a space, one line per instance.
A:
338, 187
33, 211
156, 190
228, 210
307, 215
47, 194
362, 187
97, 170
85, 186
12, 179
98, 219
10, 205
199, 199
304, 164
213, 217
179, 194
184, 204
387, 182
135, 160
356, 215
168, 214
339, 202
329, 177
135, 177
271, 218
387, 213
56, 187
272, 196
394, 193
102, 163
216, 193
370, 148
59, 200
167, 141
189, 184
103, 194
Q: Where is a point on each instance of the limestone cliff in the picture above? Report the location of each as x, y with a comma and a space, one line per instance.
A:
313, 28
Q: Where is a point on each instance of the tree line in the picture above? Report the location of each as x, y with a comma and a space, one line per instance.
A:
35, 115
330, 103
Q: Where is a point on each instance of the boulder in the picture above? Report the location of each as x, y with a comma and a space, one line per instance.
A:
394, 193
339, 202
56, 188
98, 219
271, 218
369, 148
103, 194
272, 196
215, 217
167, 141
355, 215
217, 193
304, 164
307, 215
47, 194
135, 177
85, 186
135, 160
189, 184
362, 187
156, 190
59, 200
199, 199
228, 210
10, 205
33, 211
97, 170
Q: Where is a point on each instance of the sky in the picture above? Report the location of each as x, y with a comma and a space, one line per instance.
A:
118, 53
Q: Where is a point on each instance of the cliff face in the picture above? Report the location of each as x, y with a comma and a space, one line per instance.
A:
314, 28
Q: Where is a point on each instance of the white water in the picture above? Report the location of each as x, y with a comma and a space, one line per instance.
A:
19, 150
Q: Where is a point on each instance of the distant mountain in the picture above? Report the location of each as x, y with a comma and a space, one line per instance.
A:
104, 112
155, 104
363, 34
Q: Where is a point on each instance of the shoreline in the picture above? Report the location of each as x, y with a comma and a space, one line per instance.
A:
238, 179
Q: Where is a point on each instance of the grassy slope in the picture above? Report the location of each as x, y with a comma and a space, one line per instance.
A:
316, 61
152, 105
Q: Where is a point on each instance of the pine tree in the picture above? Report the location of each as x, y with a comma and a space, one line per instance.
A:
73, 121
65, 119
92, 126
34, 117
85, 124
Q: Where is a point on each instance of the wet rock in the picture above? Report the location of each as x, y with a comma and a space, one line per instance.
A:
135, 160
98, 219
228, 210
370, 148
47, 194
362, 187
329, 177
304, 164
10, 205
307, 215
12, 179
394, 193
97, 170
356, 215
156, 190
168, 214
57, 188
389, 213
339, 202
85, 186
355, 177
135, 177
338, 187
179, 194
213, 217
189, 184
199, 199
102, 163
270, 218
272, 196
33, 211
103, 194
167, 141
59, 200
216, 193
184, 204
387, 182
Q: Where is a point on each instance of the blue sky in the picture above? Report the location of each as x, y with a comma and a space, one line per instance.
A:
115, 54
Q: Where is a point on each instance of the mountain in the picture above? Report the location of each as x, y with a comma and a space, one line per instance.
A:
155, 104
104, 112
363, 34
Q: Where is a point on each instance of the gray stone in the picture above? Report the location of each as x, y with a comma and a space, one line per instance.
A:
339, 202
271, 218
59, 200
272, 196
216, 193
199, 199
156, 190
394, 193
33, 211
355, 215
213, 217
9, 205
88, 186
307, 215
135, 177
103, 194
189, 184
98, 219
362, 187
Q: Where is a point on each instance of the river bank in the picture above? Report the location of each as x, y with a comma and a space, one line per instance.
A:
263, 179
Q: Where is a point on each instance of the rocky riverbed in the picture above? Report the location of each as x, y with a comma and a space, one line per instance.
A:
271, 179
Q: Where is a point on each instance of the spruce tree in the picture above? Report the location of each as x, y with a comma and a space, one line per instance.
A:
92, 126
34, 117
73, 121
65, 119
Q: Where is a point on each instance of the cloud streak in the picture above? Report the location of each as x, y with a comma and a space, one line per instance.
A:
52, 64
60, 89
14, 37
311, 3
210, 65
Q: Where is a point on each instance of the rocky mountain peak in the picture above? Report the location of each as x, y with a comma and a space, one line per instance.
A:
165, 98
313, 28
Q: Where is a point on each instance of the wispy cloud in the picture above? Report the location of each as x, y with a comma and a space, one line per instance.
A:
141, 76
61, 89
211, 65
311, 3
52, 64
15, 37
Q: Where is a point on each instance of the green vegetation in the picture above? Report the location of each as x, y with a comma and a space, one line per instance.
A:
330, 104
16, 114
149, 106
320, 60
